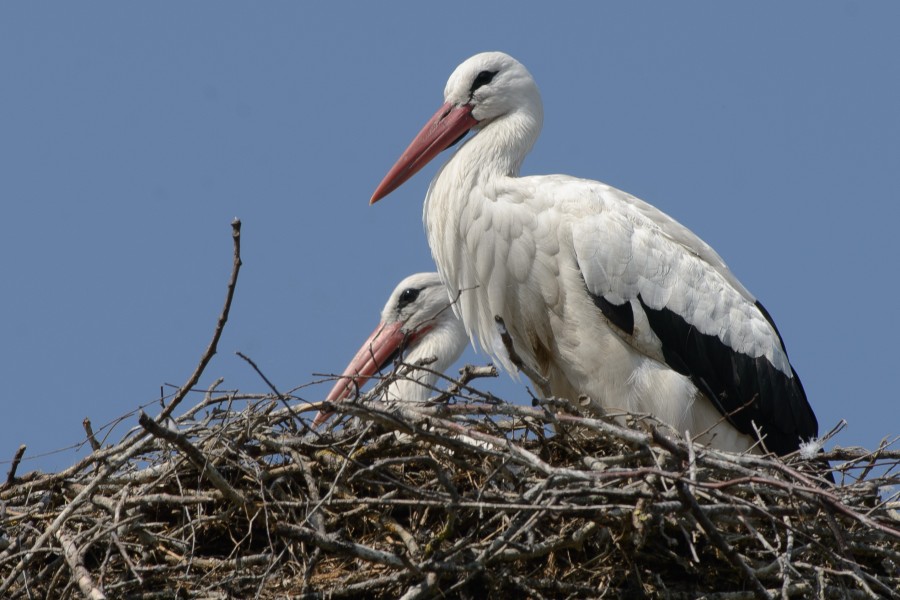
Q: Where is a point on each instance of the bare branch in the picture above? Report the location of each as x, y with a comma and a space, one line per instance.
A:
220, 327
75, 559
14, 466
197, 458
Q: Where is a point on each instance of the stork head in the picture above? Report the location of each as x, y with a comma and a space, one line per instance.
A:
417, 320
491, 84
484, 88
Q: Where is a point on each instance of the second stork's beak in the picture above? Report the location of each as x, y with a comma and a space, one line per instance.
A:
379, 350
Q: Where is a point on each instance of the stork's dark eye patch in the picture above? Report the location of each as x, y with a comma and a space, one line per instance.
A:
483, 78
407, 297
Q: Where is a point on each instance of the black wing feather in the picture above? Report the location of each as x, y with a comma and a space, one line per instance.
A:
746, 390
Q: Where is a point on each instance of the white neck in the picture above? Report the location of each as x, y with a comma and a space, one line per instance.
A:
458, 196
499, 146
444, 343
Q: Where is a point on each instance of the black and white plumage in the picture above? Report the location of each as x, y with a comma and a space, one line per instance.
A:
602, 294
418, 322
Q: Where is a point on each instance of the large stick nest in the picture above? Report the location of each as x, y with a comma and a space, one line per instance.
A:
466, 497
463, 498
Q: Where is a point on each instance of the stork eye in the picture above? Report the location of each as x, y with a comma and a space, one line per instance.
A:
408, 296
483, 78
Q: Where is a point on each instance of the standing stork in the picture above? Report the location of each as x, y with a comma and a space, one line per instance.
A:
602, 294
418, 322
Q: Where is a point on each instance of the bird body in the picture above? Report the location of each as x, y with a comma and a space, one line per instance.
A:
602, 294
418, 323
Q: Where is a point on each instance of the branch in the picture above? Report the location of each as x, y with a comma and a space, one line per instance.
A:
730, 553
92, 439
539, 380
220, 326
197, 458
332, 544
75, 560
11, 475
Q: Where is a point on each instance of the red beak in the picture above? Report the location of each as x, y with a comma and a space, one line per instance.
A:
376, 352
447, 126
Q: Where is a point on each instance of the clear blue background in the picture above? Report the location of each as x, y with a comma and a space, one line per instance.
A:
132, 133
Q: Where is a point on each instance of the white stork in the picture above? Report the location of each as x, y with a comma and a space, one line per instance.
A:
418, 323
602, 294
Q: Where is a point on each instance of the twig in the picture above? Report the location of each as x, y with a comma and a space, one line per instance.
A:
92, 440
197, 458
733, 556
539, 380
423, 589
14, 466
467, 374
74, 558
332, 544
220, 327
262, 376
281, 397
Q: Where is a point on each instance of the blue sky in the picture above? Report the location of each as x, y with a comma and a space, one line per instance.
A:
131, 135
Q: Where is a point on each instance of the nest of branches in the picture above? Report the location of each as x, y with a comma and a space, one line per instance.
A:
465, 497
